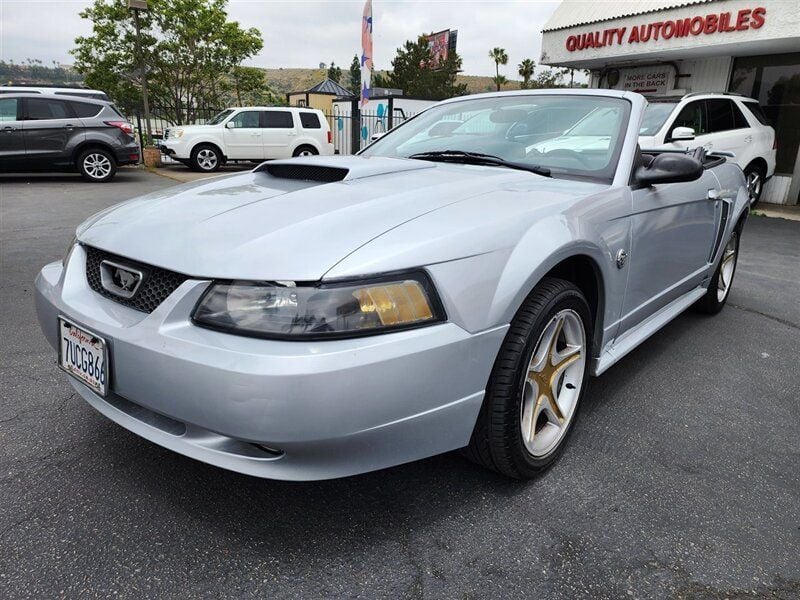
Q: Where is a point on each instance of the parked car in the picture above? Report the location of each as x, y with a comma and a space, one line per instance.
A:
250, 133
56, 91
716, 121
53, 133
325, 316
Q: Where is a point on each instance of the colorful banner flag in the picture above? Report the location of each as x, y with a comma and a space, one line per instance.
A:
366, 53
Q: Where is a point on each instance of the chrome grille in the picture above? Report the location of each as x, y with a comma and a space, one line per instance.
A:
156, 285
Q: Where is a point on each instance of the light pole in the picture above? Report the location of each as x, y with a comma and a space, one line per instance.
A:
136, 6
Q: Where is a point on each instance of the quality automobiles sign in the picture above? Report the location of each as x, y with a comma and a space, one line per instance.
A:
711, 24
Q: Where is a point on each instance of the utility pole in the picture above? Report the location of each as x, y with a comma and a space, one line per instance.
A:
136, 6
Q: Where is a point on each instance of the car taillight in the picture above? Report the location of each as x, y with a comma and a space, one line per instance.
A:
330, 136
123, 125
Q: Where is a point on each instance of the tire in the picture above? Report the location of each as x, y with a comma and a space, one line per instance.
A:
305, 151
755, 176
720, 285
206, 158
97, 165
512, 404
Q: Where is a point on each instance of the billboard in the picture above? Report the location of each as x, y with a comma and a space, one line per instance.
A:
441, 44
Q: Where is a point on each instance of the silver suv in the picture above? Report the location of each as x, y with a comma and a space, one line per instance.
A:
40, 132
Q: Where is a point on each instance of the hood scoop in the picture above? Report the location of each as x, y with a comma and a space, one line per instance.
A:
302, 172
329, 169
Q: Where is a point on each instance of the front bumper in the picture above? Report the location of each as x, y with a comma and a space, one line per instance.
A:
276, 409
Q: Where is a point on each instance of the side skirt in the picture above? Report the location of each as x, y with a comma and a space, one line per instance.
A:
631, 339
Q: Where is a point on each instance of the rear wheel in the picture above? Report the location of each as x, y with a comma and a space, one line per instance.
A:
305, 151
537, 383
97, 165
206, 158
719, 287
755, 176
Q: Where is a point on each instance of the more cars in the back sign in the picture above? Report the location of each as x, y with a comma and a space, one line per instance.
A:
45, 132
452, 287
250, 133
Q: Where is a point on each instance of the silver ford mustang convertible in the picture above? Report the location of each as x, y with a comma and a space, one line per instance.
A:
453, 286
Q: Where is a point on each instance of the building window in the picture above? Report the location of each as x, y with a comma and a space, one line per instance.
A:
774, 81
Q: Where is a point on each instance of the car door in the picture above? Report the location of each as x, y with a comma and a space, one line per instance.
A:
12, 142
280, 131
673, 227
243, 136
728, 129
47, 125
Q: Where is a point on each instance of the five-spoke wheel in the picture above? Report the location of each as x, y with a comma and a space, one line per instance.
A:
97, 165
536, 385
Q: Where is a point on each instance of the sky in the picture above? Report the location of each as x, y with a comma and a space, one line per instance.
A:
304, 33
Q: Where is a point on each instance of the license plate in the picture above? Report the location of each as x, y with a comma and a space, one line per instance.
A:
84, 355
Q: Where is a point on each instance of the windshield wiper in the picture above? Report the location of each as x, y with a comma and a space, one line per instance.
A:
478, 158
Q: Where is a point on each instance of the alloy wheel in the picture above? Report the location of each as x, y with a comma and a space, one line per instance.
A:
754, 183
305, 153
727, 267
553, 383
207, 159
96, 165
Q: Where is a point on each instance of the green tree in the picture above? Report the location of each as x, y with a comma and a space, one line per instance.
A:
499, 81
248, 87
413, 71
499, 56
334, 72
355, 76
525, 70
548, 78
190, 52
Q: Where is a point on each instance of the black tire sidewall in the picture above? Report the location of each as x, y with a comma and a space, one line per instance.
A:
86, 175
300, 149
567, 297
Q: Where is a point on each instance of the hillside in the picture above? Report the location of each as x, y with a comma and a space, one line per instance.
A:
283, 81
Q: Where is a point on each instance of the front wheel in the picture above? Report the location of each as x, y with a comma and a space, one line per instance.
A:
206, 158
755, 177
719, 287
536, 385
97, 165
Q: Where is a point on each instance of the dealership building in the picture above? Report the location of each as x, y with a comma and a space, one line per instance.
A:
658, 47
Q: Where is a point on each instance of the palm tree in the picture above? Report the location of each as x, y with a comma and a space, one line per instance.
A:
499, 56
525, 70
499, 81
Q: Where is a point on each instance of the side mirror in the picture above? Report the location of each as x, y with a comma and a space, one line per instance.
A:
682, 134
670, 168
230, 125
377, 136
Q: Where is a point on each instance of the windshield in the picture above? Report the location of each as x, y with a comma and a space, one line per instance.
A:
219, 118
655, 115
571, 135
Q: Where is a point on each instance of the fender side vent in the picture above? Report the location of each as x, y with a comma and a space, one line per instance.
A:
305, 172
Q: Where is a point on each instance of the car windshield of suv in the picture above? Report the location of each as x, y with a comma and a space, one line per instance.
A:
219, 118
655, 115
571, 136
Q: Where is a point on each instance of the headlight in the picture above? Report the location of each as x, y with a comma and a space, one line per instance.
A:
336, 310
68, 253
176, 133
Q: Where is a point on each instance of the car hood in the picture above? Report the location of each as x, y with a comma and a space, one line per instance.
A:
195, 128
269, 225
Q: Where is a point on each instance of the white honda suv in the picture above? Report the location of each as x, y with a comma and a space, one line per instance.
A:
716, 121
251, 133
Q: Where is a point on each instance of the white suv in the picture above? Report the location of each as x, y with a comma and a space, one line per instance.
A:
249, 133
716, 121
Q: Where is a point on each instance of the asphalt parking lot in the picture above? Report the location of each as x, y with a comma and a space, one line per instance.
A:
682, 478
